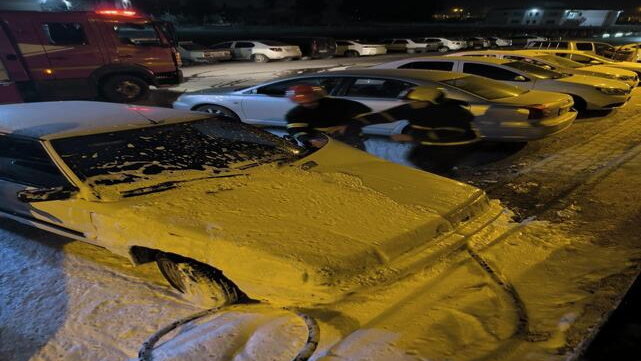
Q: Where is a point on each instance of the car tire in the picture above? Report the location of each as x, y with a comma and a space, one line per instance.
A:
201, 283
443, 49
260, 58
579, 103
218, 111
352, 54
124, 88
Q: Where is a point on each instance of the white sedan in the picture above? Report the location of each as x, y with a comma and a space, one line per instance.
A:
560, 64
503, 112
227, 211
447, 44
588, 92
353, 48
260, 51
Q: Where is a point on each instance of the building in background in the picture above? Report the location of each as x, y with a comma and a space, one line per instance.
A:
552, 17
61, 5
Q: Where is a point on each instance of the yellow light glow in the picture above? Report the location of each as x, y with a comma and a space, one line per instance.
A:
48, 71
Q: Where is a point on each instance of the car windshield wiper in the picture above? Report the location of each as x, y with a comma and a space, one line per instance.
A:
172, 184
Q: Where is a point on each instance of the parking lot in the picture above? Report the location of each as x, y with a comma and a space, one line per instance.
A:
572, 196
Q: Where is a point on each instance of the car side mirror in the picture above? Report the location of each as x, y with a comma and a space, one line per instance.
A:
595, 62
520, 78
45, 194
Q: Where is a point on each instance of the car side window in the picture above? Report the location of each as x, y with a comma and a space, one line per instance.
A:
65, 33
489, 71
400, 41
584, 46
26, 162
222, 46
279, 89
377, 88
137, 34
342, 43
429, 65
604, 49
242, 44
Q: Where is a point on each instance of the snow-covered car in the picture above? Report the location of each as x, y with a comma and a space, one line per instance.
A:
447, 44
353, 48
593, 59
560, 64
589, 92
225, 209
191, 52
410, 46
260, 51
502, 112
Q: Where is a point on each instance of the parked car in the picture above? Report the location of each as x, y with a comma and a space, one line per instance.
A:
628, 52
593, 59
447, 44
353, 48
191, 52
523, 40
499, 42
410, 46
588, 92
595, 47
560, 64
226, 210
313, 47
478, 43
260, 51
503, 112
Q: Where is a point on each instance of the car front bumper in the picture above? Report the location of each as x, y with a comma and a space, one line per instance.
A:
520, 131
608, 102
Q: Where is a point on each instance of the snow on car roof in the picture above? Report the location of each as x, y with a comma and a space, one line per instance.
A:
50, 120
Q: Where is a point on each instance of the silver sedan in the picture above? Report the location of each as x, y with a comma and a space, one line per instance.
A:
502, 112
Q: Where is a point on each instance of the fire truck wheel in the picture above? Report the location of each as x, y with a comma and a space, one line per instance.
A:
124, 88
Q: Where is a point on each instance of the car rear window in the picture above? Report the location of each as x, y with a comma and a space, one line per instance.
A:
485, 88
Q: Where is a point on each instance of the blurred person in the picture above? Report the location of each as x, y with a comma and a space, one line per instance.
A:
441, 129
317, 114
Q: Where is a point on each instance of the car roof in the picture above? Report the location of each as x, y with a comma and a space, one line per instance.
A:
52, 120
464, 58
429, 75
530, 52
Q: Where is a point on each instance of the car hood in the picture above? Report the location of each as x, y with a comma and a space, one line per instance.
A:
607, 70
535, 97
594, 81
316, 231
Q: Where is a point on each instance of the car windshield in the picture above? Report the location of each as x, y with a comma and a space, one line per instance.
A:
560, 61
535, 70
149, 156
193, 47
485, 88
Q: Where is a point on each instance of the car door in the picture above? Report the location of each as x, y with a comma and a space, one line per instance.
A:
24, 165
495, 72
378, 94
8, 90
243, 49
267, 105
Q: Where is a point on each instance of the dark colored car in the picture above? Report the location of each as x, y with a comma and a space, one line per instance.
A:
314, 47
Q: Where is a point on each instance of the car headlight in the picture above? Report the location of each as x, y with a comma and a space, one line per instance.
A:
612, 91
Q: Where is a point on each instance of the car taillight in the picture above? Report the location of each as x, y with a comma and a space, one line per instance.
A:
276, 49
538, 111
178, 59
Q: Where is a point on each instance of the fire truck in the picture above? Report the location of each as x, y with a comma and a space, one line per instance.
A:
114, 55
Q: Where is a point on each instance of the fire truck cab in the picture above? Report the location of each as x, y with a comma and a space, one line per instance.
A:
112, 54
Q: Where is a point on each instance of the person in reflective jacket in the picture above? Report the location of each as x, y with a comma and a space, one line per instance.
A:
441, 129
317, 114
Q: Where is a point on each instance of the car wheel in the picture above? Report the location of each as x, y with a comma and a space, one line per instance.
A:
199, 282
579, 103
443, 49
218, 111
352, 54
124, 88
260, 58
